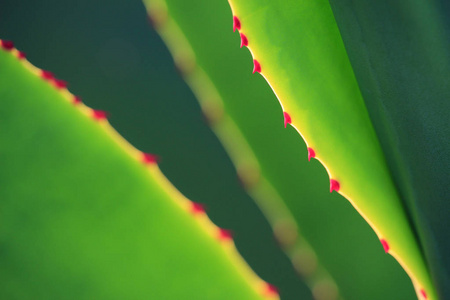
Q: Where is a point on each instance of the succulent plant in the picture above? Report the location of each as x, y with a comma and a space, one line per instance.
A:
93, 217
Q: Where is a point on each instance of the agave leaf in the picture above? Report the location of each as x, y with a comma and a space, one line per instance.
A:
87, 216
297, 47
271, 160
400, 52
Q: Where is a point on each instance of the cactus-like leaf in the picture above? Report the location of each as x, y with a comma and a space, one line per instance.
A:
298, 49
404, 75
84, 215
263, 152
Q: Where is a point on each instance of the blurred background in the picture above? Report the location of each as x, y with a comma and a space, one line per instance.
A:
112, 58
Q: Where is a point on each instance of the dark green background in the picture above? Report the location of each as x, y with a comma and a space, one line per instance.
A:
113, 59
400, 53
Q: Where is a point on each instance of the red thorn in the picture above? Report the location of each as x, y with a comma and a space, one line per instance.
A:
287, 119
256, 66
148, 158
21, 55
311, 153
59, 84
7, 45
225, 235
99, 115
272, 290
424, 295
47, 75
236, 24
76, 100
197, 208
244, 40
334, 185
385, 245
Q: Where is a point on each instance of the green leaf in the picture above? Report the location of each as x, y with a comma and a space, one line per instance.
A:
271, 160
400, 53
83, 217
300, 53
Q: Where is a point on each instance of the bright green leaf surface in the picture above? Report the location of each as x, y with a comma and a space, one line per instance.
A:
404, 75
343, 242
82, 219
303, 58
